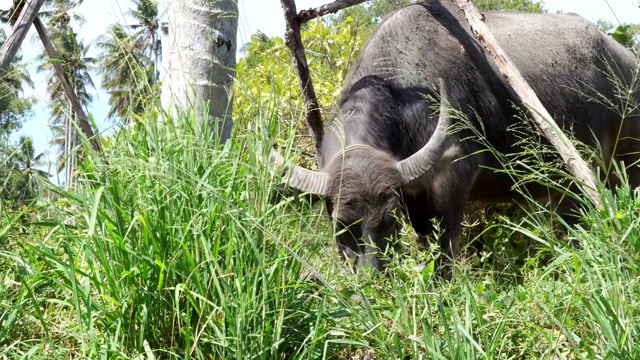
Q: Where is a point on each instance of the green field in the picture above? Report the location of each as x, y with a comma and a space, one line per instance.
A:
175, 249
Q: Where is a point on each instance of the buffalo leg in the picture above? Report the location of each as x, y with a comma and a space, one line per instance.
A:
628, 151
417, 210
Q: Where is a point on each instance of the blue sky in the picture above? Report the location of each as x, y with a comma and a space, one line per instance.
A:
263, 15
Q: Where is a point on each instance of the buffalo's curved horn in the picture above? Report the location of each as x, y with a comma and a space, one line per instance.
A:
314, 182
425, 159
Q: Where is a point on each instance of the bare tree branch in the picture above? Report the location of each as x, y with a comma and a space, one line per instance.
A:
294, 43
577, 166
310, 14
68, 89
12, 44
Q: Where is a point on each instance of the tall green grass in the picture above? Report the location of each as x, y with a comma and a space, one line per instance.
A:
173, 248
172, 245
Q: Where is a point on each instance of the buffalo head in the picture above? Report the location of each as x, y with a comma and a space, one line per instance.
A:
363, 187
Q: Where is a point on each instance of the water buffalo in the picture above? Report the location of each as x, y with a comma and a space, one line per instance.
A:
387, 150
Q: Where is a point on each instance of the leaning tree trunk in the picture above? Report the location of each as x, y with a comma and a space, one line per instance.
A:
85, 125
28, 16
576, 165
23, 23
201, 61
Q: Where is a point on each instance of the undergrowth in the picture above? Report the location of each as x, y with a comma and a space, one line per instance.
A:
172, 247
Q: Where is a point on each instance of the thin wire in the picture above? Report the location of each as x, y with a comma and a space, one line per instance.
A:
613, 12
122, 15
245, 36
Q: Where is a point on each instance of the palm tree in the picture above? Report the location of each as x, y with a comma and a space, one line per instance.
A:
75, 62
27, 162
58, 13
129, 61
147, 40
76, 65
216, 58
125, 73
21, 180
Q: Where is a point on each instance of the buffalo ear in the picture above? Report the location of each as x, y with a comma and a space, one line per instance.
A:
425, 160
314, 182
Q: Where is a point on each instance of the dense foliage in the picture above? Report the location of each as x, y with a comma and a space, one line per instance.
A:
22, 178
265, 74
510, 5
14, 108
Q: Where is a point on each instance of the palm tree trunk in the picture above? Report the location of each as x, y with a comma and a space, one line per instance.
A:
74, 150
67, 150
12, 44
193, 79
155, 57
66, 85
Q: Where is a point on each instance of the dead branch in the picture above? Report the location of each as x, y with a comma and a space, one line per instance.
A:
577, 166
294, 43
68, 89
310, 14
12, 44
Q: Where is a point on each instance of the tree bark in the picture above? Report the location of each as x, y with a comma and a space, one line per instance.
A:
67, 150
201, 61
294, 42
577, 166
310, 14
154, 49
68, 89
12, 44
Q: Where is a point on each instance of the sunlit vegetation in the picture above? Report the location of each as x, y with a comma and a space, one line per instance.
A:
171, 247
